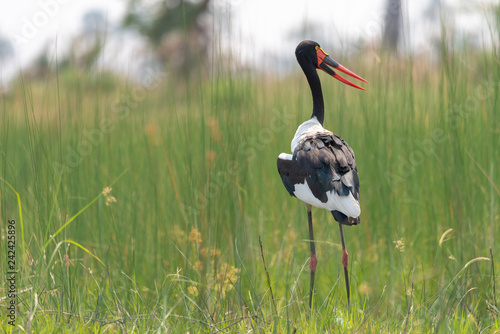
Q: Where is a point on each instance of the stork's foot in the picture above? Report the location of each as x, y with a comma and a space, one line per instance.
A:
313, 263
345, 258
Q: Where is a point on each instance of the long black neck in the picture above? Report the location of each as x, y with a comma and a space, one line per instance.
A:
317, 94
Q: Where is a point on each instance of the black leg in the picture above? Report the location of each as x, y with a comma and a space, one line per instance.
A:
314, 261
345, 262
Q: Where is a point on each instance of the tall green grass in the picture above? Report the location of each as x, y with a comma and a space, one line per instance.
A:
192, 169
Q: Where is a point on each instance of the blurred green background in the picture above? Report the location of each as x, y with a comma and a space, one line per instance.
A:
143, 201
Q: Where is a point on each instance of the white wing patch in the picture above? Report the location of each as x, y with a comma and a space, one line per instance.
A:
285, 156
348, 205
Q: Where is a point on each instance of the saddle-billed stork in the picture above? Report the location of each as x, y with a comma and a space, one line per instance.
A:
322, 171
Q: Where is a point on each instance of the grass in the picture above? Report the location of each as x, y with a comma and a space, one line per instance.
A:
174, 245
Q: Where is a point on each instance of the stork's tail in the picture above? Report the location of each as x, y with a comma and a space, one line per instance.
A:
344, 220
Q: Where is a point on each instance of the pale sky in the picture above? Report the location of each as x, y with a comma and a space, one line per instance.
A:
257, 27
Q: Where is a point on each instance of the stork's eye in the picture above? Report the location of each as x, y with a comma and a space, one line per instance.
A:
316, 47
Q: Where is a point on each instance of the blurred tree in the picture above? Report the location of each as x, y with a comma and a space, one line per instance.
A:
86, 48
178, 30
392, 25
94, 22
6, 50
496, 13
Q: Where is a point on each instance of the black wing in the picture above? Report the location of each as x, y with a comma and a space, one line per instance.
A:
329, 164
290, 173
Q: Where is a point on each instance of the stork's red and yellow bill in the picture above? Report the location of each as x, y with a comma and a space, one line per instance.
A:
324, 59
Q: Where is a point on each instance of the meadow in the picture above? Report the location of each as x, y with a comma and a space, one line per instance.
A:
139, 206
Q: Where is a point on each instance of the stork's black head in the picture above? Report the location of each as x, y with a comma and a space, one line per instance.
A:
306, 53
310, 53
